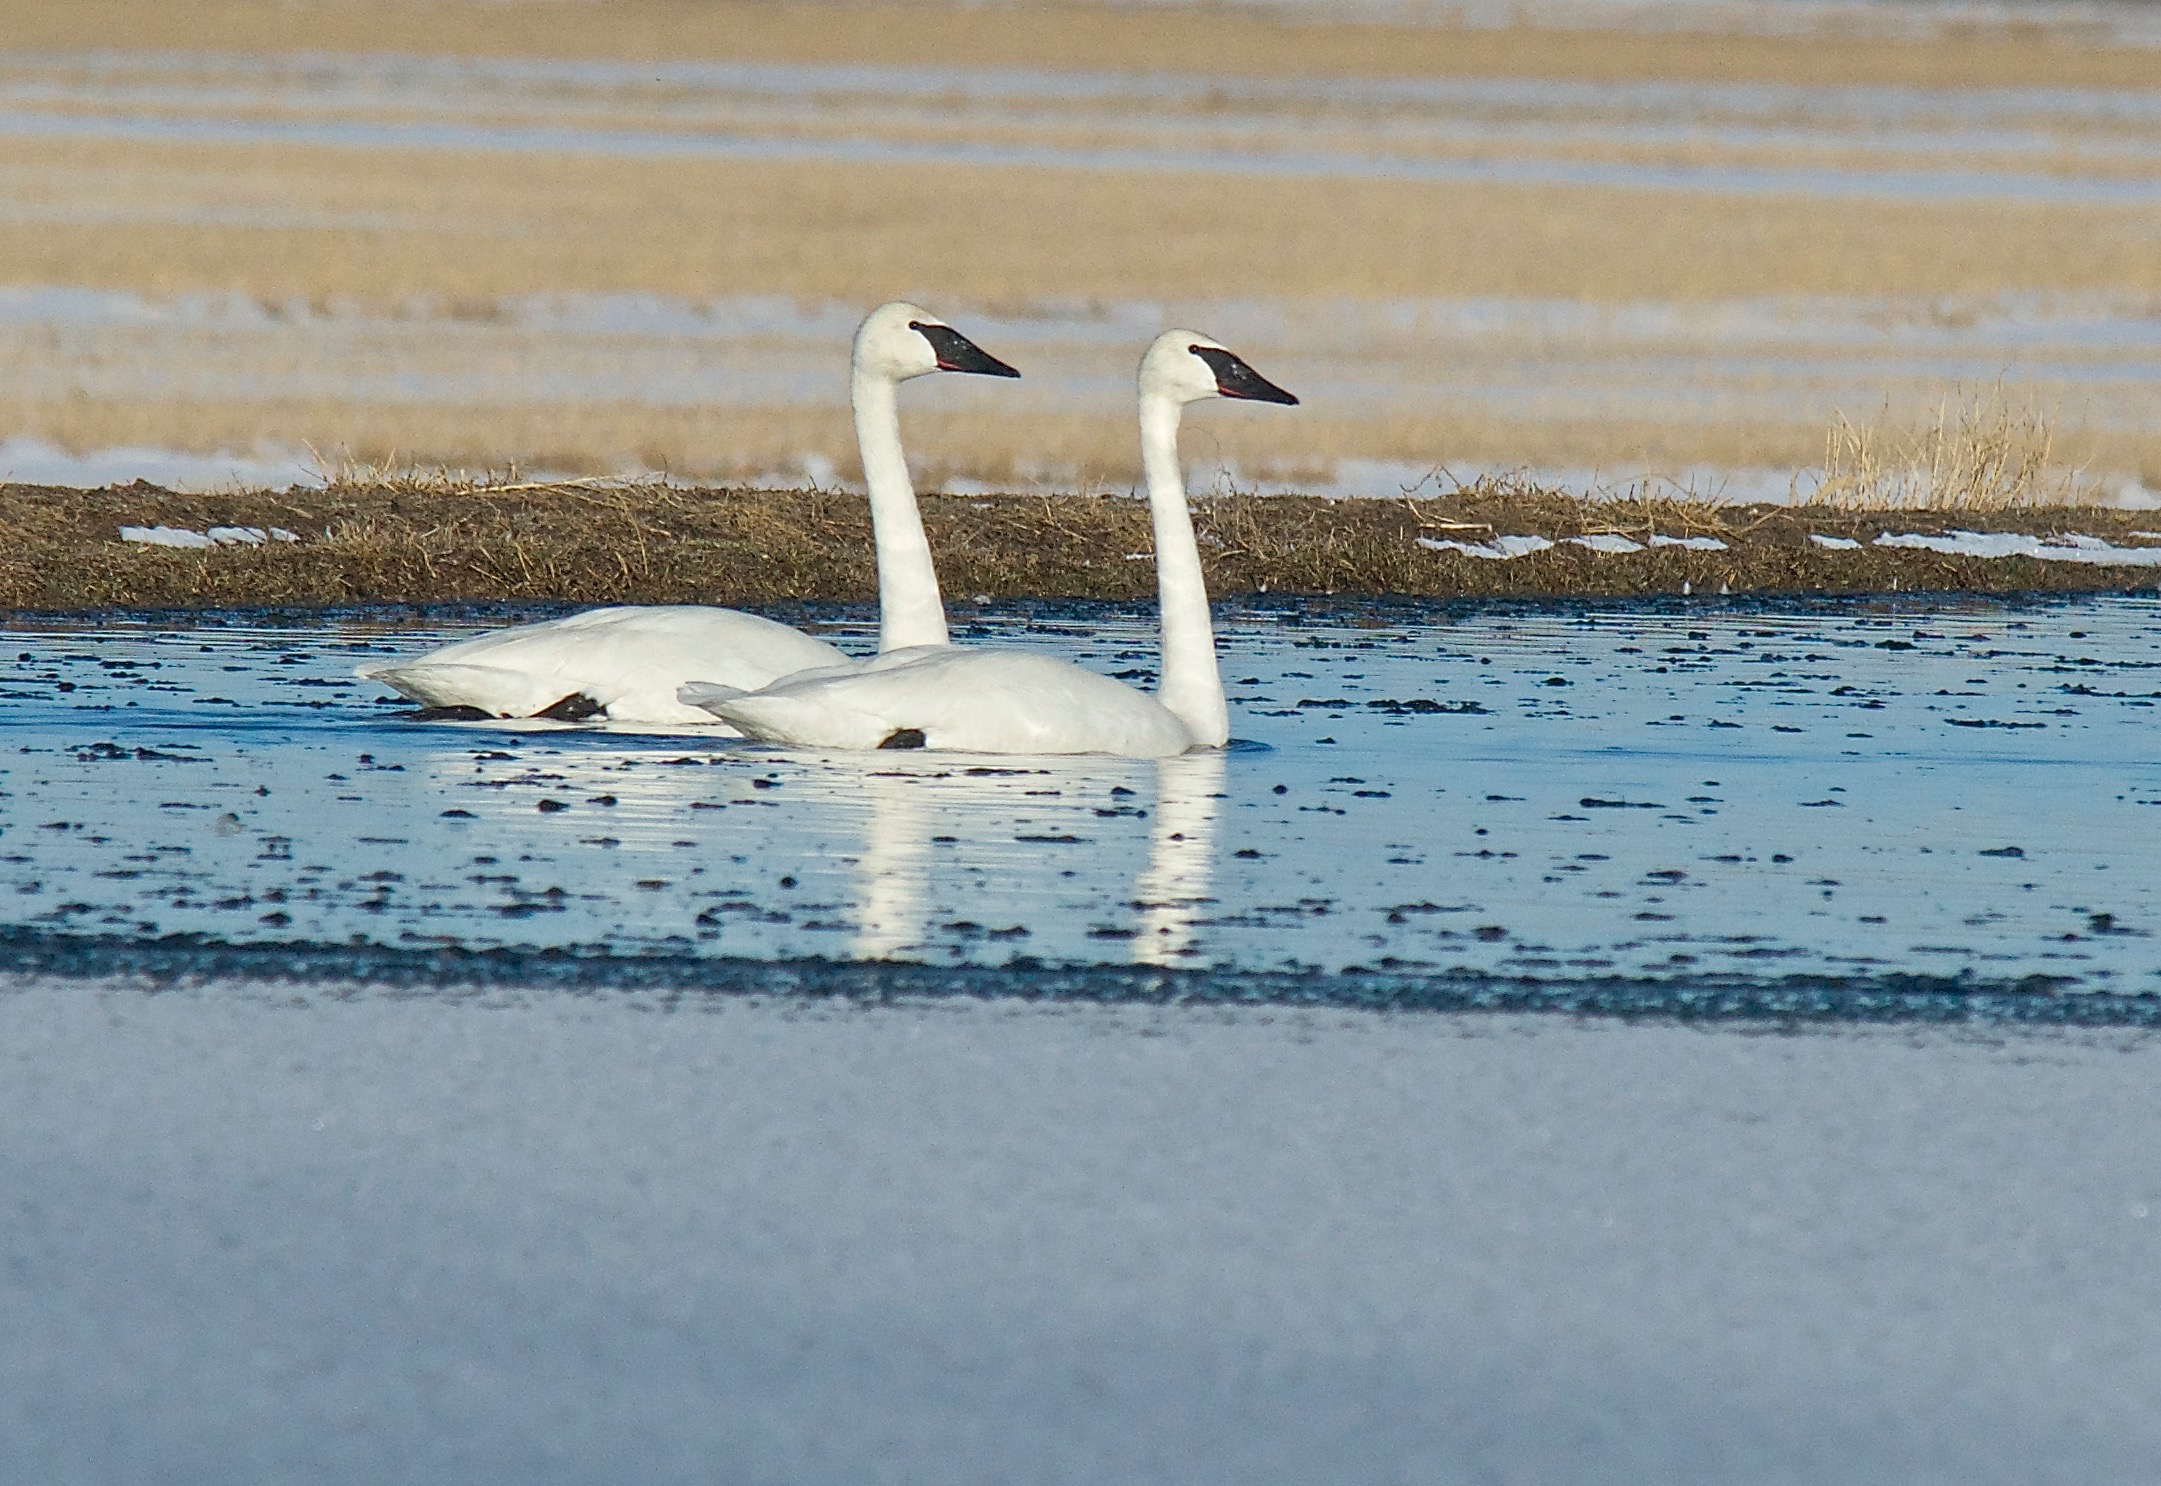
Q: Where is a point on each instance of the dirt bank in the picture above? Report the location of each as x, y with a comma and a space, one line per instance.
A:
61, 550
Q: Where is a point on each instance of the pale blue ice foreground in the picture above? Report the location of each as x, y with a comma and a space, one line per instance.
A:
304, 1194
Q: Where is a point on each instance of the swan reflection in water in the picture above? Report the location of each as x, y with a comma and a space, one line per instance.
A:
978, 811
967, 850
893, 873
1181, 857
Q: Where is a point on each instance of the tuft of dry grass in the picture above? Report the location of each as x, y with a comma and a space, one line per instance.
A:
1984, 451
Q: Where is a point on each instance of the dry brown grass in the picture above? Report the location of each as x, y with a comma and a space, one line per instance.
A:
485, 225
1198, 39
383, 445
1094, 450
433, 541
473, 227
1983, 451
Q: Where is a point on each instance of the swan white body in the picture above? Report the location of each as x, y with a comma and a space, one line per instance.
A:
1018, 701
628, 663
957, 698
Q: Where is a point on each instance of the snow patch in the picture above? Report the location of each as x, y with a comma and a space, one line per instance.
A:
1500, 549
1503, 549
2065, 547
165, 536
217, 536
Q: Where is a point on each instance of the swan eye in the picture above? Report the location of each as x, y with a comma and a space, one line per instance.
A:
1234, 379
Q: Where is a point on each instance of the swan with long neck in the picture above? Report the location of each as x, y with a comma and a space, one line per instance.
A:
1019, 701
627, 662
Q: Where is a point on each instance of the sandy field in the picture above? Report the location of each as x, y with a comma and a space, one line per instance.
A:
266, 227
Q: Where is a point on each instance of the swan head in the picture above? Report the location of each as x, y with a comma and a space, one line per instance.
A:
900, 340
1186, 366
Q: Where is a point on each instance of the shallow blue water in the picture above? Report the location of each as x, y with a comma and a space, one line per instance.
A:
1690, 795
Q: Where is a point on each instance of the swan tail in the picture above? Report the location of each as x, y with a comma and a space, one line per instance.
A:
704, 694
785, 719
491, 689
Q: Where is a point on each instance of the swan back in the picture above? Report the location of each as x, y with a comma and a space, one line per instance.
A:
628, 661
964, 700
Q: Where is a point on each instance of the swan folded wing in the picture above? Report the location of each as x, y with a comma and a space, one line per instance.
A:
628, 649
629, 661
968, 701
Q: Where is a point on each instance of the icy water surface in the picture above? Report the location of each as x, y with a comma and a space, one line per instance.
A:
1676, 807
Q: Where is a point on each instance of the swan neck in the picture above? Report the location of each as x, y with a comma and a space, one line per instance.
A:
1191, 687
910, 611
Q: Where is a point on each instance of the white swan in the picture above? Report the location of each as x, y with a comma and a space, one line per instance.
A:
627, 662
1018, 701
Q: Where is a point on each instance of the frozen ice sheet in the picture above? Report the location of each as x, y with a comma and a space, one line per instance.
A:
254, 1238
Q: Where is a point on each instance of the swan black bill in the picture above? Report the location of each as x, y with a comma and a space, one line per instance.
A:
1235, 379
957, 353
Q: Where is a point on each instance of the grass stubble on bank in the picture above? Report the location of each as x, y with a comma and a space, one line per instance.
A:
434, 541
413, 536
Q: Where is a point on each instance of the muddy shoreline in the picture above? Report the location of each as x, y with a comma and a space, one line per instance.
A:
653, 544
